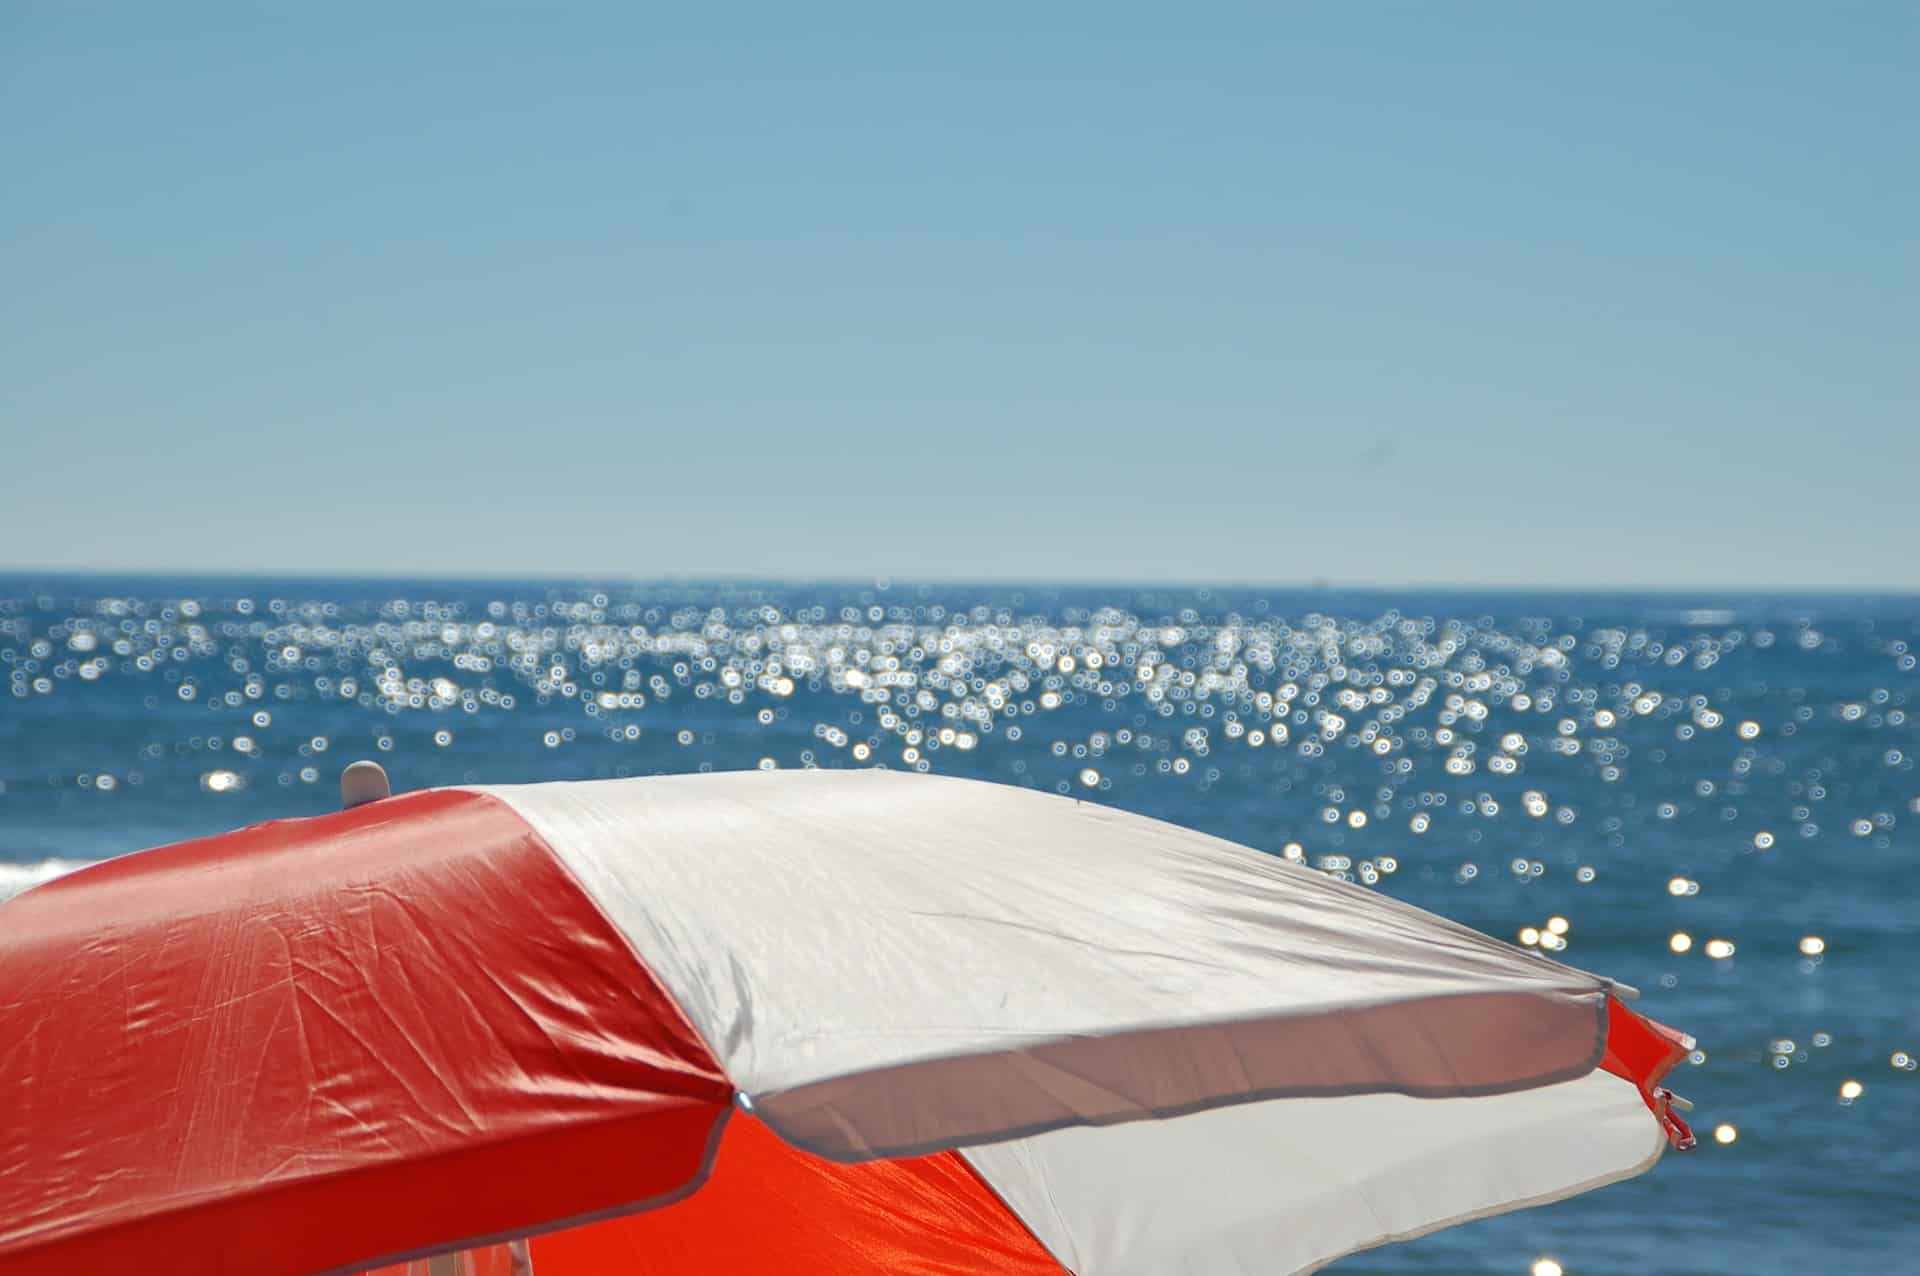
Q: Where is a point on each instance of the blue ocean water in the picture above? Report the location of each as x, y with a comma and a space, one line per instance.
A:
1713, 798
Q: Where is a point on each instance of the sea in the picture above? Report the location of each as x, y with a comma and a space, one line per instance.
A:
1710, 796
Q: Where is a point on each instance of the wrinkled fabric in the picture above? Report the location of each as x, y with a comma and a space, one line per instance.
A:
889, 964
314, 1043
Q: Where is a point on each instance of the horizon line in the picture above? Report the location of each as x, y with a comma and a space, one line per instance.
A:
888, 581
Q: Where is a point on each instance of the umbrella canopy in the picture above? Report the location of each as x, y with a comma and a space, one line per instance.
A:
848, 1021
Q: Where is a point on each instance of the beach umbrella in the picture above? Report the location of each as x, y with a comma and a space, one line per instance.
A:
792, 1022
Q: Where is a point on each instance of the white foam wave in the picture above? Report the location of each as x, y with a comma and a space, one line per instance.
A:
15, 878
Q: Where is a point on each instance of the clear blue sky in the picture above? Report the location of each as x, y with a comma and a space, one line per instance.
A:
1552, 294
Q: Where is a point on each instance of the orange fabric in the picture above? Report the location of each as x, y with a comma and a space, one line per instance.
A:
312, 1044
1643, 1052
1638, 1049
773, 1210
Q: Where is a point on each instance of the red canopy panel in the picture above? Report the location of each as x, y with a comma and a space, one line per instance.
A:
318, 1044
1639, 1049
772, 1210
1644, 1052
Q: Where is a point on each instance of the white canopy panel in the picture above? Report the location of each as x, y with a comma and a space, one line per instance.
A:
888, 963
1288, 1185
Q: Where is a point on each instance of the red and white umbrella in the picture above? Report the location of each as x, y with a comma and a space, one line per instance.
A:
848, 1022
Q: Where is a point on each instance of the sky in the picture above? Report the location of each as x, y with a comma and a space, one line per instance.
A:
1566, 295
